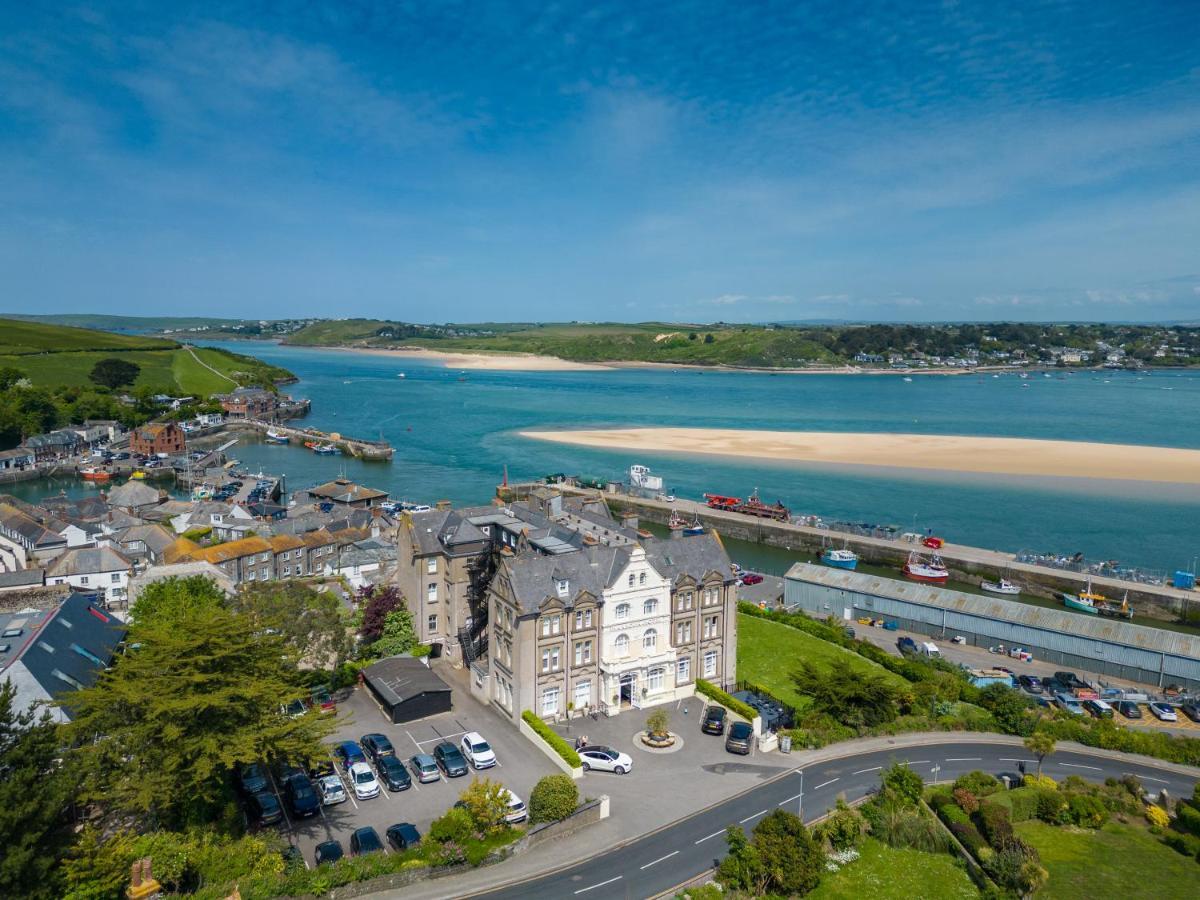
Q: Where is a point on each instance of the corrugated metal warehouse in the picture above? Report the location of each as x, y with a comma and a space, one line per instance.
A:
1105, 646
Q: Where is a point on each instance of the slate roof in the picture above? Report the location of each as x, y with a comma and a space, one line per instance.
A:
400, 678
342, 490
22, 578
534, 577
15, 521
232, 550
688, 555
155, 537
133, 494
88, 561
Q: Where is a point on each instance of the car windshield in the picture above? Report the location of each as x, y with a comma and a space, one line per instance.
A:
363, 777
481, 747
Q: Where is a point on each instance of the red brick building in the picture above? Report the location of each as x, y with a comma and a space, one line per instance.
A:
157, 438
250, 403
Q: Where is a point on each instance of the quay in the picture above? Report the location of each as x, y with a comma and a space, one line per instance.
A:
378, 451
966, 564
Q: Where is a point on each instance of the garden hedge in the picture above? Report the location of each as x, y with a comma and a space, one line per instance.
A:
547, 734
712, 692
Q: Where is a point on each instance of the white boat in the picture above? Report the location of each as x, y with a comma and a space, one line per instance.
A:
840, 559
1003, 586
906, 378
277, 437
932, 572
640, 477
401, 375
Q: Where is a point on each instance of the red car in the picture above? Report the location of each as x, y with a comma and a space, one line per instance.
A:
751, 578
934, 543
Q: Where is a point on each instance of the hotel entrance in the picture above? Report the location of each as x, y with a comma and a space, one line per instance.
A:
628, 690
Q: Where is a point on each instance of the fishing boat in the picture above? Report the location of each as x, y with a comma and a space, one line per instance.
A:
1124, 611
906, 378
1085, 601
840, 559
277, 437
695, 527
676, 522
1003, 586
326, 450
95, 473
932, 572
202, 492
138, 474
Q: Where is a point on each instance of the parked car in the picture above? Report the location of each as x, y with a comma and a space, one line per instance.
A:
1071, 680
1031, 683
301, 797
1098, 709
516, 809
252, 778
752, 578
283, 770
403, 836
450, 760
1129, 709
425, 767
365, 840
323, 700
393, 773
263, 808
363, 780
328, 852
906, 645
332, 790
1191, 710
741, 737
477, 751
321, 767
347, 753
714, 721
605, 759
376, 746
1164, 712
1068, 702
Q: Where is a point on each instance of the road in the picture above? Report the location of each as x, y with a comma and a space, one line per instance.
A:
660, 861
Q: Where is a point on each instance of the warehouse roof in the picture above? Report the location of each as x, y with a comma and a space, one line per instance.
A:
400, 678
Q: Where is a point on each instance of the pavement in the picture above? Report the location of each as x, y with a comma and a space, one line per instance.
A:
596, 864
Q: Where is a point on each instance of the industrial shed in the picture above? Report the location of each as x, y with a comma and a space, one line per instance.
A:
407, 689
1105, 646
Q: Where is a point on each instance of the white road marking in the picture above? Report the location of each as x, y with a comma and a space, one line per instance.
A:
824, 784
916, 762
964, 759
1148, 778
865, 771
660, 859
1002, 759
713, 835
601, 884
436, 740
1077, 766
761, 812
413, 739
790, 799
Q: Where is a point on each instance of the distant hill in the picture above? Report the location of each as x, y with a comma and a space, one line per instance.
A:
26, 337
129, 324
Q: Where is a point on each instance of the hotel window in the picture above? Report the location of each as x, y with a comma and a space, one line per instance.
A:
431, 593
550, 702
710, 663
561, 587
642, 578
622, 644
583, 619
583, 694
685, 601
683, 671
649, 639
431, 566
622, 611
631, 579
550, 660
432, 623
710, 626
650, 607
655, 680
551, 625
711, 596
583, 652
683, 633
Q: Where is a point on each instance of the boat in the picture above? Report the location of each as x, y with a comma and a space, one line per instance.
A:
1003, 586
640, 477
906, 378
840, 559
326, 450
138, 474
676, 522
932, 572
202, 492
1124, 611
277, 437
695, 527
1085, 601
401, 375
95, 473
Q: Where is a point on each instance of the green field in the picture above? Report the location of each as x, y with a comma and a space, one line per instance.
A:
888, 873
1124, 861
768, 653
133, 324
19, 338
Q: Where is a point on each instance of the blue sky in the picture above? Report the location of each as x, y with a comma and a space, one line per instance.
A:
549, 161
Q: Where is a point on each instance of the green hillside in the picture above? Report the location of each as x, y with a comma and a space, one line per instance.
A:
19, 338
132, 324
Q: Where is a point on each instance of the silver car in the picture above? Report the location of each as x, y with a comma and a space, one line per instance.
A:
425, 768
331, 790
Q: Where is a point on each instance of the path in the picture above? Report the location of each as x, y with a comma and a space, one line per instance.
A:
191, 350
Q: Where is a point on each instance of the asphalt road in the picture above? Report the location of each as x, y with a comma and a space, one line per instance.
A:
658, 862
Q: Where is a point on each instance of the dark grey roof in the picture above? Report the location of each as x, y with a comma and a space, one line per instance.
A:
89, 561
400, 678
534, 577
22, 578
691, 555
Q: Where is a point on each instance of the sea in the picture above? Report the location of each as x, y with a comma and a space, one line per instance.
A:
456, 435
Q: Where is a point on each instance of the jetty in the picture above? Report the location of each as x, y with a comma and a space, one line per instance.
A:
360, 448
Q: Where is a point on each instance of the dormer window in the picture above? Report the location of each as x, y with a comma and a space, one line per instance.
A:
642, 578
632, 578
561, 586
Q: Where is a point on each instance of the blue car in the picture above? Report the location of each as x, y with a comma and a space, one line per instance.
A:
347, 753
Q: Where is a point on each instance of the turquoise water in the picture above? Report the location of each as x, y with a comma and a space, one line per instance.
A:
454, 437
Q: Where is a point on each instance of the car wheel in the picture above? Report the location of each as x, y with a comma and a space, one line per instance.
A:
620, 770
585, 767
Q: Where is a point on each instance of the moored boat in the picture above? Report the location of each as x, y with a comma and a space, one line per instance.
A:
277, 437
1085, 601
95, 473
840, 559
326, 450
932, 572
695, 527
1003, 586
676, 522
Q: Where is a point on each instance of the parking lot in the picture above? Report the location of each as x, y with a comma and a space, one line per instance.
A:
518, 767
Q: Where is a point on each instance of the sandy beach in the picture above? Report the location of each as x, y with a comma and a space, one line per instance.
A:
500, 362
955, 453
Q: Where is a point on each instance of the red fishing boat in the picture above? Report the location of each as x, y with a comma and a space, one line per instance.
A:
932, 572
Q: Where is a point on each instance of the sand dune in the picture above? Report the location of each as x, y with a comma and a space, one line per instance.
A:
996, 455
510, 362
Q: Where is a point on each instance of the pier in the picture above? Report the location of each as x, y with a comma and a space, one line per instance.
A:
378, 451
966, 564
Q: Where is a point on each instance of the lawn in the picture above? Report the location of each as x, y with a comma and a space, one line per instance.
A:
886, 872
768, 653
195, 380
1124, 861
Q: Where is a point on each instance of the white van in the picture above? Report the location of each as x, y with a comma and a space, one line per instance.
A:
929, 649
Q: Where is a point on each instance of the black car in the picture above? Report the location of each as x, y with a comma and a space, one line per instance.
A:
252, 778
393, 774
450, 759
284, 770
301, 796
263, 808
1071, 680
365, 840
376, 746
1031, 683
1191, 710
741, 736
328, 852
714, 720
1128, 709
321, 767
403, 836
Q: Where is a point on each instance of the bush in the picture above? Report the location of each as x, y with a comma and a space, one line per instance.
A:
1187, 844
981, 784
486, 802
1023, 802
553, 798
996, 824
1157, 817
843, 829
1187, 818
966, 801
1087, 810
561, 747
712, 692
1052, 807
454, 826
904, 783
1042, 782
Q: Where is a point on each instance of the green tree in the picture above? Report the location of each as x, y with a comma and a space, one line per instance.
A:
843, 828
1010, 708
854, 698
34, 795
792, 859
171, 599
159, 732
903, 783
399, 634
9, 376
742, 869
708, 338
1041, 744
658, 722
486, 802
314, 623
113, 373
553, 798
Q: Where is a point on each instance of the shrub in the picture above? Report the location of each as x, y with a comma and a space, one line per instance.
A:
996, 825
712, 692
978, 783
903, 782
1157, 816
658, 722
966, 801
1052, 807
1187, 844
454, 826
553, 798
1043, 782
1087, 810
486, 802
1023, 802
843, 828
561, 747
1187, 818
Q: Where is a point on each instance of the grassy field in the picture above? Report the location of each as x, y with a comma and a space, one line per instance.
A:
1118, 860
132, 324
20, 338
768, 654
886, 873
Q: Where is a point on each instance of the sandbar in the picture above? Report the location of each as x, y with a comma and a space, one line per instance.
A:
955, 453
500, 362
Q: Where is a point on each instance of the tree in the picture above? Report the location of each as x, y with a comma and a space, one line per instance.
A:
379, 601
159, 732
399, 634
314, 623
903, 783
1041, 745
171, 599
1010, 708
708, 338
553, 798
35, 793
793, 860
9, 376
742, 868
486, 802
658, 722
852, 697
113, 373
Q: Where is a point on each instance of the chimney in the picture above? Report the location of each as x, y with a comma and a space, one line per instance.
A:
629, 519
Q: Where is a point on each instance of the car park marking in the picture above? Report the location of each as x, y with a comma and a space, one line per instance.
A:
824, 784
713, 835
1077, 766
660, 859
601, 884
865, 771
964, 759
761, 812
